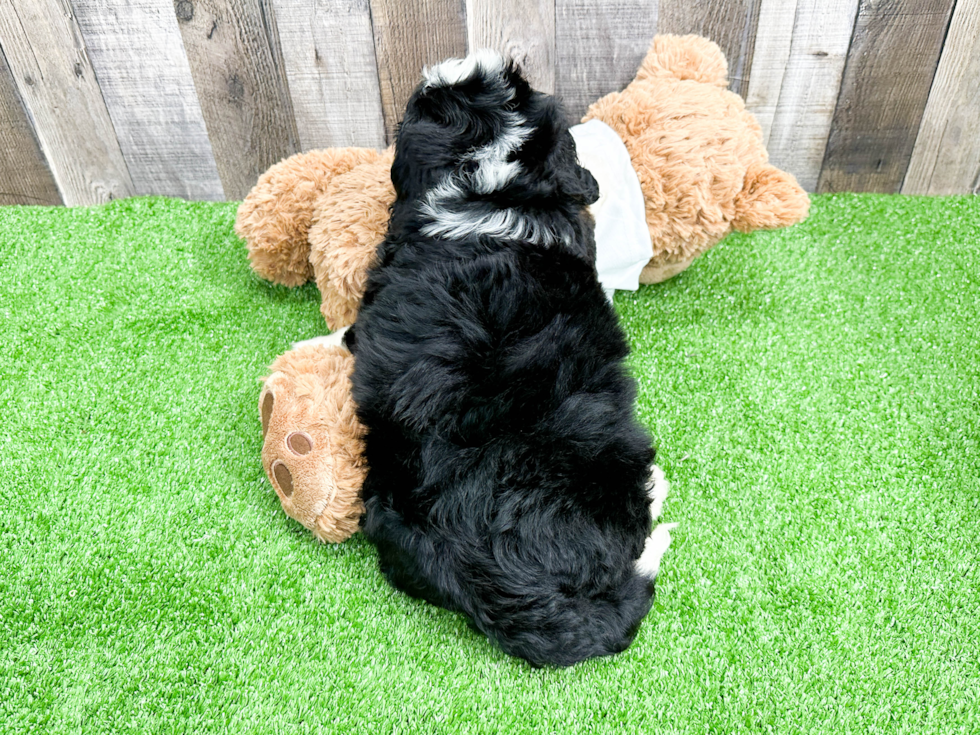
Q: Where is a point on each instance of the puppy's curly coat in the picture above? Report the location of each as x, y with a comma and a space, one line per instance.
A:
508, 474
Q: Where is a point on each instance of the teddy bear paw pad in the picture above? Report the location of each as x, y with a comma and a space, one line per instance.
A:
283, 478
268, 404
300, 443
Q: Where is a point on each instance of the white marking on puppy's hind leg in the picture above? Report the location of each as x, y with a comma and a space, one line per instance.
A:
657, 489
658, 541
654, 549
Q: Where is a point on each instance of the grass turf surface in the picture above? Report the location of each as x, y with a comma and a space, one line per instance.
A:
813, 392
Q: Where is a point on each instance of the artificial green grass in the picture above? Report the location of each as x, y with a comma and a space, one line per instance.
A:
814, 396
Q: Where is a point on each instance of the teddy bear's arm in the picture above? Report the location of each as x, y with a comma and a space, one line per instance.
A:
350, 224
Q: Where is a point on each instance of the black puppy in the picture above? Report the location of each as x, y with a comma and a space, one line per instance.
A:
508, 476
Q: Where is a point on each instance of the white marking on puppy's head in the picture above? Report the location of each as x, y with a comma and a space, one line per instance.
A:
457, 71
494, 171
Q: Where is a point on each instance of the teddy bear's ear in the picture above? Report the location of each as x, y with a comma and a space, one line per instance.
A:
769, 198
685, 57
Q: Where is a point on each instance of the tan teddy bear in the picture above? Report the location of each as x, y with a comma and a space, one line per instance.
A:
703, 171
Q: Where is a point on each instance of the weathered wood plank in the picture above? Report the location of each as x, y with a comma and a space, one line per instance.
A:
598, 47
24, 174
894, 51
138, 56
409, 35
54, 77
328, 49
233, 50
809, 85
523, 30
773, 41
731, 24
946, 157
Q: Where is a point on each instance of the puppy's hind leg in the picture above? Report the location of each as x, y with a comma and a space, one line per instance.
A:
657, 489
658, 541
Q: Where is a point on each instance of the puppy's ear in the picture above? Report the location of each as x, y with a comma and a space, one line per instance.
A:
577, 182
560, 164
421, 158
574, 180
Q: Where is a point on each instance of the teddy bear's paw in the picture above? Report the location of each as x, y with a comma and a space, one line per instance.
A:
298, 456
658, 272
274, 219
769, 198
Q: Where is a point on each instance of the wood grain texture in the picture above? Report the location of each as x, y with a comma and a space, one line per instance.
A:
598, 47
24, 174
409, 35
233, 50
523, 30
731, 24
946, 157
894, 51
54, 78
773, 41
328, 49
139, 59
808, 85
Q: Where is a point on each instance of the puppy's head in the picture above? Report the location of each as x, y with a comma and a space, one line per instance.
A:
475, 130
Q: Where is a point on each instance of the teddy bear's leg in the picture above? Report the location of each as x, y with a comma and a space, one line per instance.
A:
685, 57
769, 198
275, 217
313, 443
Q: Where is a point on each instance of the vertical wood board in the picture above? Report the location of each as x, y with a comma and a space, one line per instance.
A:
523, 30
47, 59
233, 50
409, 35
731, 24
773, 41
139, 59
890, 66
598, 48
328, 50
946, 157
809, 85
24, 174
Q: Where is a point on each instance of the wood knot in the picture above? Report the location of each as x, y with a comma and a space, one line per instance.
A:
184, 10
236, 89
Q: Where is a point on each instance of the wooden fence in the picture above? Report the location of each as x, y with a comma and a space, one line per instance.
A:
102, 99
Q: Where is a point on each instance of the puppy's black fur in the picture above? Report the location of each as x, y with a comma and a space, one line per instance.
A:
507, 471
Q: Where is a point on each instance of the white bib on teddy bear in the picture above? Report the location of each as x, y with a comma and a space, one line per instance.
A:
622, 238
